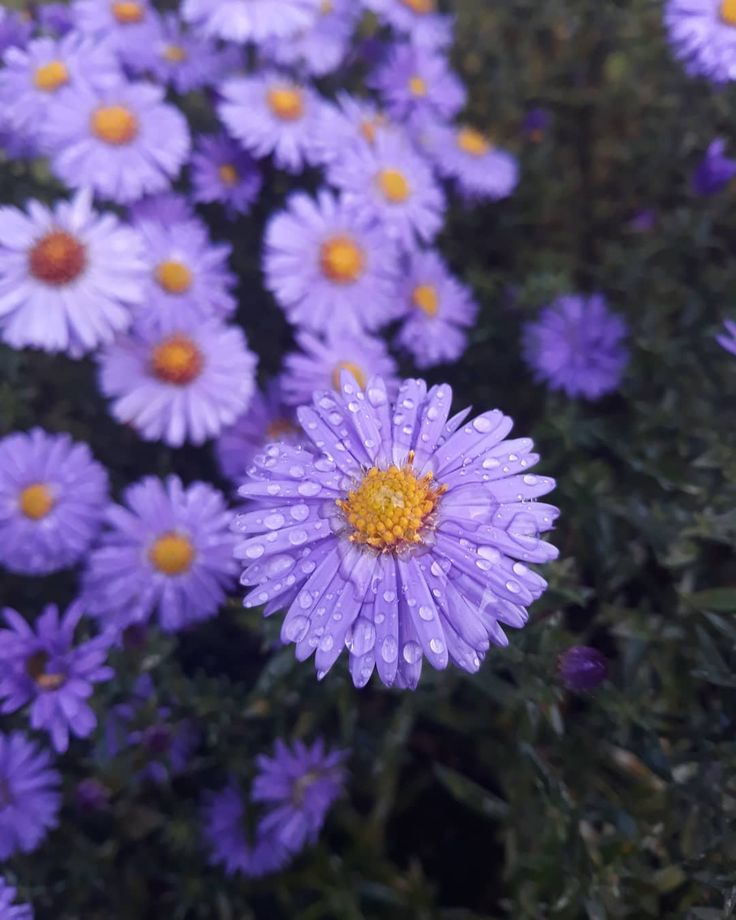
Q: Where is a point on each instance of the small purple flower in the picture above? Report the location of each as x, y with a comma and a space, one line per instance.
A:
416, 80
439, 309
53, 496
319, 365
29, 796
8, 911
702, 34
91, 795
322, 47
43, 668
299, 785
644, 221
124, 24
535, 124
714, 171
222, 172
582, 668
415, 19
254, 21
727, 339
403, 535
329, 267
577, 346
167, 551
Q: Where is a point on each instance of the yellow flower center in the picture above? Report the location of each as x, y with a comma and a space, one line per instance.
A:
174, 277
326, 7
172, 554
369, 126
228, 174
341, 259
422, 7
418, 86
177, 360
175, 54
49, 77
394, 185
355, 369
728, 12
114, 124
426, 299
36, 669
473, 142
286, 102
128, 12
279, 428
390, 509
57, 258
36, 501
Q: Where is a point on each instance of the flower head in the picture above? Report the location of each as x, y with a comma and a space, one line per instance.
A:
714, 171
254, 21
416, 80
125, 25
7, 910
15, 29
322, 47
418, 20
350, 121
582, 668
223, 172
53, 496
702, 34
727, 339
55, 18
403, 535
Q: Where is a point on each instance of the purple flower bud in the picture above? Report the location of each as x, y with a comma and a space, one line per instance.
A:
91, 795
714, 171
535, 124
582, 668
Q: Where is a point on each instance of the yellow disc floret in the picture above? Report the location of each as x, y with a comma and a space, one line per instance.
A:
172, 553
422, 7
49, 77
114, 124
394, 185
286, 102
36, 665
355, 369
228, 174
391, 509
418, 86
425, 298
341, 259
174, 276
177, 360
36, 501
128, 12
728, 12
174, 54
473, 142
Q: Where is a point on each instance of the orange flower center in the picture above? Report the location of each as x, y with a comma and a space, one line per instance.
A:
473, 142
228, 174
177, 360
394, 185
57, 258
172, 554
36, 665
49, 77
175, 54
418, 86
341, 259
114, 124
728, 12
128, 12
421, 7
280, 428
426, 299
286, 102
369, 126
174, 277
326, 7
355, 369
36, 501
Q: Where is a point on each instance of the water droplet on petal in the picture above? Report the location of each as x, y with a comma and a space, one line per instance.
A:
437, 646
426, 613
308, 489
298, 537
274, 521
305, 600
295, 630
490, 463
520, 569
389, 649
389, 596
255, 551
326, 643
530, 480
299, 512
482, 424
513, 587
411, 652
433, 413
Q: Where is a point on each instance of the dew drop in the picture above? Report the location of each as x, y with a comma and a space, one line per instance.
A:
299, 512
255, 551
389, 596
298, 537
490, 463
308, 489
305, 600
389, 649
437, 646
513, 587
482, 424
295, 630
326, 643
530, 480
274, 521
411, 652
426, 613
433, 413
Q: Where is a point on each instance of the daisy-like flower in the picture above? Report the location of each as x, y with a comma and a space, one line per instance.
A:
403, 535
416, 80
273, 114
124, 142
479, 169
392, 184
267, 419
329, 266
43, 668
68, 276
321, 48
224, 173
29, 805
179, 381
349, 122
252, 21
702, 34
419, 20
727, 339
299, 785
320, 363
52, 499
577, 346
188, 275
714, 171
168, 552
124, 24
9, 911
439, 309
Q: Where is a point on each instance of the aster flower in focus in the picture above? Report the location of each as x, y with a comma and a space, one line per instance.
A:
416, 19
299, 785
391, 183
273, 115
68, 276
52, 498
582, 668
702, 34
714, 171
320, 363
222, 172
177, 381
727, 339
166, 551
267, 419
30, 802
254, 21
124, 142
329, 267
439, 309
43, 668
125, 25
577, 346
8, 911
415, 80
321, 48
403, 536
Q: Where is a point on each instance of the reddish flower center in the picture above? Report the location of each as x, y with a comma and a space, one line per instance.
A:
174, 276
114, 124
49, 77
341, 259
286, 102
128, 12
36, 501
172, 554
175, 54
228, 174
177, 360
355, 369
57, 258
36, 665
426, 299
394, 185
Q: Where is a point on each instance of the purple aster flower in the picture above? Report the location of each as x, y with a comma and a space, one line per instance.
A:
299, 785
125, 24
392, 184
7, 910
188, 277
91, 795
43, 668
164, 208
727, 339
702, 34
417, 80
350, 122
52, 499
404, 535
222, 172
535, 124
254, 21
68, 276
267, 419
439, 309
322, 47
714, 171
180, 381
167, 551
319, 364
329, 266
29, 804
272, 114
582, 668
15, 29
416, 19
55, 18
577, 346
123, 142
